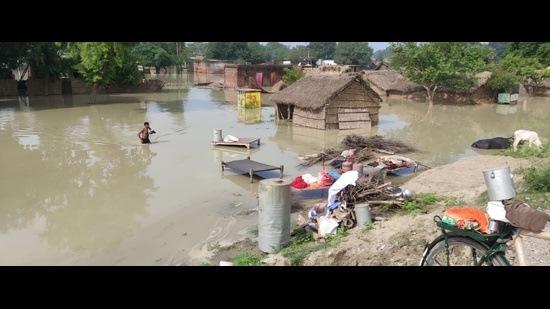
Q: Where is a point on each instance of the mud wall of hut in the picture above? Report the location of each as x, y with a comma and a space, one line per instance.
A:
309, 118
352, 109
8, 87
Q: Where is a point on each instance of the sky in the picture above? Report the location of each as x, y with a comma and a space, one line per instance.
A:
374, 45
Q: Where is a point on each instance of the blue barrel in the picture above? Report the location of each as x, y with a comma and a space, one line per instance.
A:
274, 214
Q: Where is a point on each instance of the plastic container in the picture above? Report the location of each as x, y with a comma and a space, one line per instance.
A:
362, 214
217, 135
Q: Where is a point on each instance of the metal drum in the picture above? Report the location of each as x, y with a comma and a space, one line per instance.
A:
274, 214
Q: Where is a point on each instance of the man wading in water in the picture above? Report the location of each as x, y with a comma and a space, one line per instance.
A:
143, 134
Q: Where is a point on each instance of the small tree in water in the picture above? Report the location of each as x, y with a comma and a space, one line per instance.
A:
100, 63
440, 64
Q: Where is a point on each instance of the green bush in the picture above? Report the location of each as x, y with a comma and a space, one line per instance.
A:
524, 151
426, 199
292, 75
537, 178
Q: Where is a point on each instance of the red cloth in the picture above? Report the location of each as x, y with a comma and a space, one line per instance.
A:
299, 183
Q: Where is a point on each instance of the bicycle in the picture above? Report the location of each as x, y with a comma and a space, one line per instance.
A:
457, 247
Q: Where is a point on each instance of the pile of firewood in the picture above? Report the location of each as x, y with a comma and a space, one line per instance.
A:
366, 148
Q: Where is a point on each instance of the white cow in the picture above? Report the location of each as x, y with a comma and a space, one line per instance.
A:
529, 136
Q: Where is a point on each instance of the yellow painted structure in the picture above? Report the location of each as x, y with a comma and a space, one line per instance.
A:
249, 98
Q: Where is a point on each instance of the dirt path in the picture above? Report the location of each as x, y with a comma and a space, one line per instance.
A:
400, 240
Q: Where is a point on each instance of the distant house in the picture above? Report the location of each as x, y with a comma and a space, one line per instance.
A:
329, 101
376, 65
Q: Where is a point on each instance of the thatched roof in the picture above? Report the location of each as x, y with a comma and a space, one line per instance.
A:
315, 91
391, 80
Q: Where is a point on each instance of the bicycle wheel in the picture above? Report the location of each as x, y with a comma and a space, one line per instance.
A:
462, 251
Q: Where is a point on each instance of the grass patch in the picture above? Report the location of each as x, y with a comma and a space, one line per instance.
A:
537, 200
536, 176
524, 151
419, 203
304, 244
368, 226
248, 259
453, 202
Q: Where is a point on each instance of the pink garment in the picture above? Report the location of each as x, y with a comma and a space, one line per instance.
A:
259, 78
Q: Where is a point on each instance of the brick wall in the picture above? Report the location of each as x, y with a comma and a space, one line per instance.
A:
208, 67
231, 77
43, 86
78, 86
8, 87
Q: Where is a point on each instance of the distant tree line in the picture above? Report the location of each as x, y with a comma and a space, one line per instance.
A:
455, 64
432, 64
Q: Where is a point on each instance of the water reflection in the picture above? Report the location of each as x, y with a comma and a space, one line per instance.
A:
444, 133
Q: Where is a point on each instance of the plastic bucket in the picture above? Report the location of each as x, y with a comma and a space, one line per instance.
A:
500, 185
217, 135
362, 214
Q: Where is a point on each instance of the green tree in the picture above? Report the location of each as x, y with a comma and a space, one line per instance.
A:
322, 50
162, 55
11, 53
155, 54
527, 70
44, 59
297, 53
539, 50
228, 51
502, 80
197, 48
436, 64
353, 53
500, 49
181, 57
256, 53
292, 75
383, 54
276, 51
98, 63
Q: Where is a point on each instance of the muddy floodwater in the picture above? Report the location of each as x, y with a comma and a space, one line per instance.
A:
78, 187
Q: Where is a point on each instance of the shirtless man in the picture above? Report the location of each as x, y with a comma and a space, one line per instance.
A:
143, 134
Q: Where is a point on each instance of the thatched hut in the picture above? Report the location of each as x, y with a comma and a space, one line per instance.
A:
329, 101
